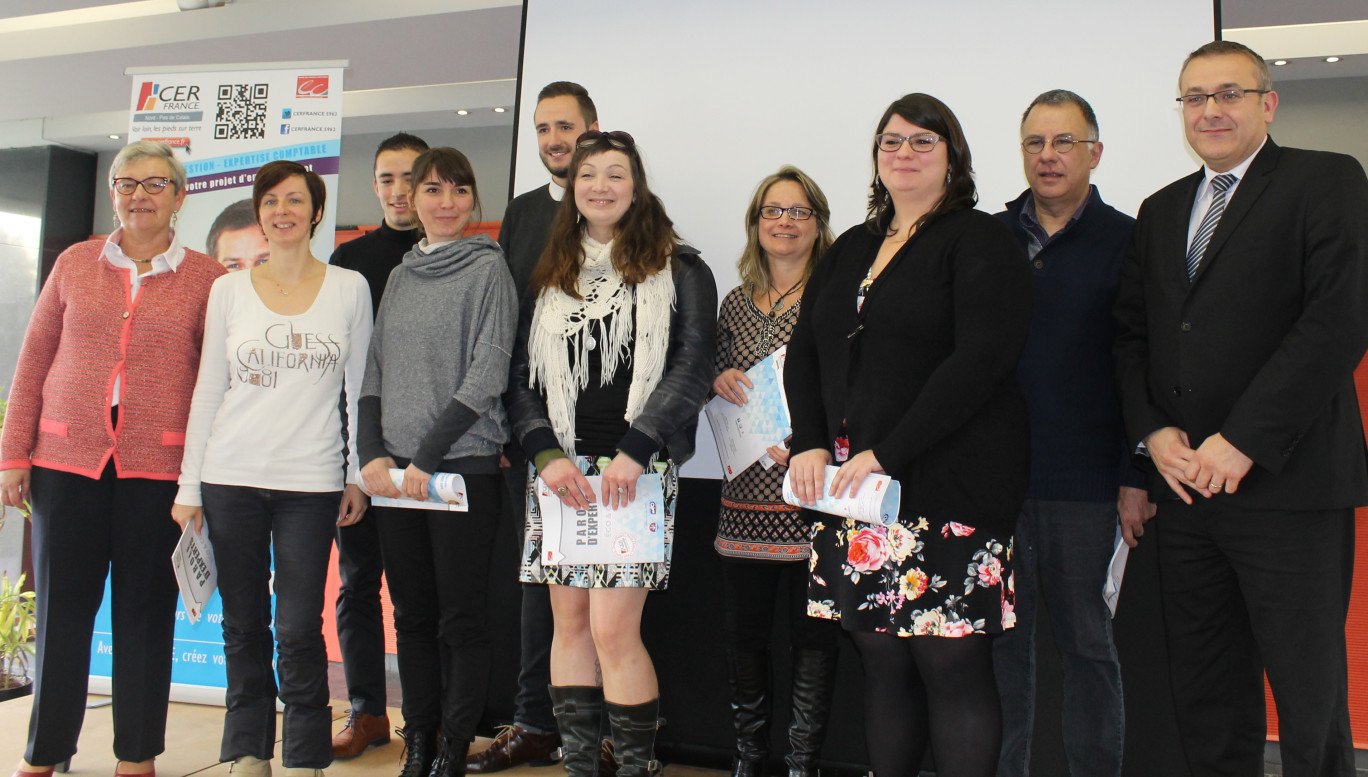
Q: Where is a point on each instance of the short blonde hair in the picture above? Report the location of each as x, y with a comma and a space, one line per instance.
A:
148, 149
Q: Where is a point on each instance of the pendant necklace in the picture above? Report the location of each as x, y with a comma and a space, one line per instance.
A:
778, 305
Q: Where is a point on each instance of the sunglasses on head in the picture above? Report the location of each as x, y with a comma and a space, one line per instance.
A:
617, 139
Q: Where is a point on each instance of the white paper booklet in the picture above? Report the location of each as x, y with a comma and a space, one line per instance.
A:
446, 491
1116, 572
196, 575
877, 501
599, 535
743, 433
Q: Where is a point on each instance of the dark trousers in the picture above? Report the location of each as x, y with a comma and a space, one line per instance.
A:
360, 624
750, 590
532, 703
438, 564
249, 528
1062, 550
83, 531
1248, 591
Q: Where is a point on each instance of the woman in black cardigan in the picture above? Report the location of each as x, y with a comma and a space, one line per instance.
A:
902, 363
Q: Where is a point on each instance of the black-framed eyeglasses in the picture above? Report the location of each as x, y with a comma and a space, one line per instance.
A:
153, 185
1196, 101
617, 139
1062, 144
772, 212
922, 143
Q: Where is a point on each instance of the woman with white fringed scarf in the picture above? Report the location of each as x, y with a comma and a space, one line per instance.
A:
612, 363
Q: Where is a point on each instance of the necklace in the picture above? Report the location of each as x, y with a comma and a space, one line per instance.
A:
282, 290
139, 261
778, 305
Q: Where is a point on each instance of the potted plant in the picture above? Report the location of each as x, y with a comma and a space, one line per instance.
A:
17, 617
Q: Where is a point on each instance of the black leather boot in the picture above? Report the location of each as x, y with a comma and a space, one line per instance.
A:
634, 733
579, 716
420, 749
748, 673
814, 682
451, 759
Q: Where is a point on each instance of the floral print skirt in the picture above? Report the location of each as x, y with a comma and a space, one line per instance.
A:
917, 577
655, 576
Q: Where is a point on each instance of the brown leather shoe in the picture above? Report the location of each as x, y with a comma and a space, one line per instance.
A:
515, 746
608, 764
362, 731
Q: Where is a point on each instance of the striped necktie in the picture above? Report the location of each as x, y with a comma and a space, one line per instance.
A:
1202, 239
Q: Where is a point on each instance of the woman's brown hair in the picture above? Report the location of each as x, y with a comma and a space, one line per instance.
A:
645, 235
935, 116
445, 164
272, 174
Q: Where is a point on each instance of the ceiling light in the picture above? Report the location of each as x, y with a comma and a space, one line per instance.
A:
113, 137
462, 112
500, 110
1332, 60
1279, 62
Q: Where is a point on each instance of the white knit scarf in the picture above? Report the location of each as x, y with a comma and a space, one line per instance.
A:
560, 319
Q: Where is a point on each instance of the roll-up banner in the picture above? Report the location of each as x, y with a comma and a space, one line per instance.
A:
224, 123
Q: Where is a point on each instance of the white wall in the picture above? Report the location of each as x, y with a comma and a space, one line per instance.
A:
720, 94
487, 148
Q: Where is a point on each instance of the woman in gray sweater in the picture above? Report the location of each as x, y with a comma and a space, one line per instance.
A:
438, 362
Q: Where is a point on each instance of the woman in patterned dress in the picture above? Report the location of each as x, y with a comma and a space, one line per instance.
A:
902, 362
614, 349
764, 541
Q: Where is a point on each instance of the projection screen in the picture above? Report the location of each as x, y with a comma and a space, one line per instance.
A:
721, 93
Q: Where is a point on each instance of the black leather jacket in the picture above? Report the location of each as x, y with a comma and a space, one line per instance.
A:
670, 417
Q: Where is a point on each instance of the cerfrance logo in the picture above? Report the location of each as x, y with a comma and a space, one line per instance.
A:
311, 86
173, 97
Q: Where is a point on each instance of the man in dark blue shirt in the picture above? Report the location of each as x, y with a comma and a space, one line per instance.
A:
1081, 475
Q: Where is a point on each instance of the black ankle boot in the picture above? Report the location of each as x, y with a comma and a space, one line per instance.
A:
420, 748
814, 682
451, 759
579, 716
634, 733
748, 673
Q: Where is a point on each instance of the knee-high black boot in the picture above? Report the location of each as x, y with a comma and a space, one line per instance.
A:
814, 682
751, 699
579, 716
634, 733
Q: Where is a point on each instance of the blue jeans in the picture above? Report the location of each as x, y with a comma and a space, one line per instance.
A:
1062, 551
248, 526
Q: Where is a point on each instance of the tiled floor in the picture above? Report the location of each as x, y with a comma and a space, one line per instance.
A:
192, 745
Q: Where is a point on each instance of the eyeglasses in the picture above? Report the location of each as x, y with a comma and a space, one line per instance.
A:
617, 139
1062, 144
772, 212
892, 141
1224, 97
129, 185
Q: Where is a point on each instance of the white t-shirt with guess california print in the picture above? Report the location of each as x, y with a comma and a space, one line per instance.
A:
265, 411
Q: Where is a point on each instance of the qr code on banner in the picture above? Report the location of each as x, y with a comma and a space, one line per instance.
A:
241, 112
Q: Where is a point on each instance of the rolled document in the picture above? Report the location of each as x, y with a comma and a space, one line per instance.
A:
446, 491
877, 501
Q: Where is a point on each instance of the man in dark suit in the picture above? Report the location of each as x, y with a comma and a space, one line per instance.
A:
1242, 313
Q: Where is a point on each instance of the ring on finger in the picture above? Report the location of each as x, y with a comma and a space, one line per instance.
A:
1215, 486
562, 490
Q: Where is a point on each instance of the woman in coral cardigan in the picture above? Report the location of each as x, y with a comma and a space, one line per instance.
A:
93, 439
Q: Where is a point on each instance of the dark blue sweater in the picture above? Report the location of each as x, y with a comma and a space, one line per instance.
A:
1078, 444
